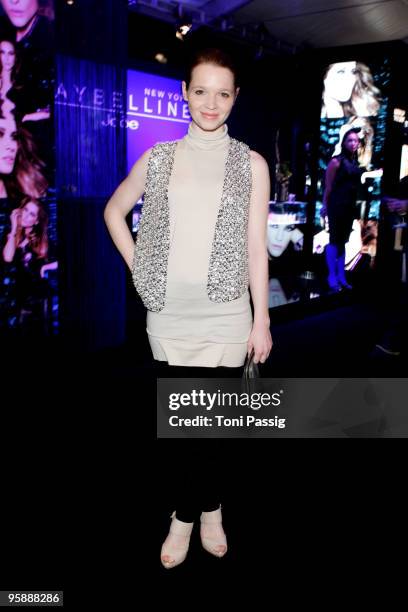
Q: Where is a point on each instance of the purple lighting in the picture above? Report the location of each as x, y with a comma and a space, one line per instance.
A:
156, 112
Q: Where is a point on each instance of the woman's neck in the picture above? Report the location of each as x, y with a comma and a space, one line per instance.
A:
5, 80
207, 140
3, 192
199, 132
349, 154
334, 108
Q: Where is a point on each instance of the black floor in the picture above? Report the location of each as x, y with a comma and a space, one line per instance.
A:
82, 484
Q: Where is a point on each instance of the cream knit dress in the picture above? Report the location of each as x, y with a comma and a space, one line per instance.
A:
191, 330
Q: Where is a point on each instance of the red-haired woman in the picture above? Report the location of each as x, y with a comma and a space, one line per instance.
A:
201, 245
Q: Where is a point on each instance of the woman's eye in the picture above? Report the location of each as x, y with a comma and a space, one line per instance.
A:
198, 91
225, 94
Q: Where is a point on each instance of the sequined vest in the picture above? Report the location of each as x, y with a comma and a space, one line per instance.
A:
228, 267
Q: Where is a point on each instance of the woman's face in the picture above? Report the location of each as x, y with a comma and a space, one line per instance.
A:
7, 55
340, 80
20, 12
29, 215
8, 145
351, 142
210, 96
279, 237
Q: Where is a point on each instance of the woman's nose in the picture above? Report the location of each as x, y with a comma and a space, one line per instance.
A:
211, 102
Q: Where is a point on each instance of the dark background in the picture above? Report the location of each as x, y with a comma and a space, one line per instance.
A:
85, 483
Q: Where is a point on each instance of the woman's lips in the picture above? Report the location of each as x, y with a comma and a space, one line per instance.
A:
209, 116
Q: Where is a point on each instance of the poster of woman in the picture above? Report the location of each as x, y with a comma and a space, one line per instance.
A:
28, 262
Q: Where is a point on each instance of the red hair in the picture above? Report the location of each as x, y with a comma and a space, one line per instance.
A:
216, 57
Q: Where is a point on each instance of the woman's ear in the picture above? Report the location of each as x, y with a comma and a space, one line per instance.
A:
236, 93
184, 89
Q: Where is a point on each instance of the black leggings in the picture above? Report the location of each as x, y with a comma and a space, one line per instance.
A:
196, 479
198, 463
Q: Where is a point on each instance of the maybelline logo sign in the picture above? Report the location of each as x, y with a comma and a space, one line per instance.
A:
125, 111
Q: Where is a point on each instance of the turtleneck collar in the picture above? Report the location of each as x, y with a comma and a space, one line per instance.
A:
208, 141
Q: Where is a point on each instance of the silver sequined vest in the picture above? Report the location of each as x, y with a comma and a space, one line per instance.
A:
228, 267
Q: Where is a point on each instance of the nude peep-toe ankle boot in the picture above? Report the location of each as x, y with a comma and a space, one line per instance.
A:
175, 546
212, 534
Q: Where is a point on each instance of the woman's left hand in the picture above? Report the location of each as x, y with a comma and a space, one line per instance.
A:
260, 340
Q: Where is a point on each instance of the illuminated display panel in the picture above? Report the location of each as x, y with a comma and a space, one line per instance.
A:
354, 95
28, 212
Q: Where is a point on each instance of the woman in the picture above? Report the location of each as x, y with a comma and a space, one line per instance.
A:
28, 229
26, 248
13, 94
8, 152
366, 138
24, 16
20, 168
343, 177
8, 69
349, 90
285, 245
202, 238
281, 234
